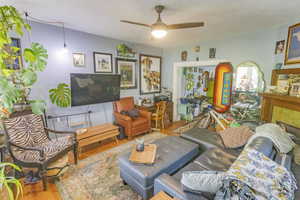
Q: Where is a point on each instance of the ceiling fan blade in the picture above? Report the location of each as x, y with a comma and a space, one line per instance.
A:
135, 23
186, 25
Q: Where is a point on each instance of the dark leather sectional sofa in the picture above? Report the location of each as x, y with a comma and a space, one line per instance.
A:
217, 158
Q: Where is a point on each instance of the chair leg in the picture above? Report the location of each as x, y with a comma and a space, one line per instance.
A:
75, 153
44, 177
162, 123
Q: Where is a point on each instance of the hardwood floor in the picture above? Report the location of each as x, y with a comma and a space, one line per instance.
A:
35, 192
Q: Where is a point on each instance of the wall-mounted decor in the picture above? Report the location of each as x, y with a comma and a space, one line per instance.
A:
197, 49
212, 52
279, 49
184, 55
295, 89
292, 52
17, 63
79, 59
150, 74
124, 51
103, 62
128, 71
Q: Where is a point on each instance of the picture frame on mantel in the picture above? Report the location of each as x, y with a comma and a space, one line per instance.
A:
150, 74
127, 68
292, 53
103, 62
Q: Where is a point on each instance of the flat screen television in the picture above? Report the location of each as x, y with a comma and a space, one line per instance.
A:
94, 88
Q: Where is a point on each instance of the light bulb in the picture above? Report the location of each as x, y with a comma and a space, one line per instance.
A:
159, 33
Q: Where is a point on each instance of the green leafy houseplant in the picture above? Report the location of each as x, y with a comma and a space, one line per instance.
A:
61, 96
6, 182
15, 85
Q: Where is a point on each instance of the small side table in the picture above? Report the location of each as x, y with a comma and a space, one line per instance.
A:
162, 196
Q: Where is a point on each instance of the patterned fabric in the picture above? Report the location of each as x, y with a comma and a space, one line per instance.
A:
26, 131
255, 176
51, 149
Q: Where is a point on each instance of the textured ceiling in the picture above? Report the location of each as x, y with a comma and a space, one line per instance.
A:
223, 18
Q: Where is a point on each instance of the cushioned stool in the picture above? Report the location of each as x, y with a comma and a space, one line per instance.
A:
172, 154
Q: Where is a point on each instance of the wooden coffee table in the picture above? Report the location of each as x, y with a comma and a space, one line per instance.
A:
97, 134
162, 196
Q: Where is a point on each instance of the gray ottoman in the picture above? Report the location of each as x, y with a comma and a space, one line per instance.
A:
172, 154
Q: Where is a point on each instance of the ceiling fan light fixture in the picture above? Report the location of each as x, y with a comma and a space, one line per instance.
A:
159, 33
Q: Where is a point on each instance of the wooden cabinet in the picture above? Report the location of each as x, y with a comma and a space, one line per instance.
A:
169, 112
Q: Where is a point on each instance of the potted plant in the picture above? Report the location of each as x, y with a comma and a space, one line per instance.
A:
15, 85
10, 187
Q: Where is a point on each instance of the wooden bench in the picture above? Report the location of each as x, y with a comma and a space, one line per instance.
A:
97, 134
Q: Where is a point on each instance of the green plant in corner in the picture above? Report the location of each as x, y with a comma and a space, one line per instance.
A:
15, 85
6, 182
61, 96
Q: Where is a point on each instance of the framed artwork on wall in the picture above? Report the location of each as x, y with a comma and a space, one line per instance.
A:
128, 70
212, 52
279, 49
150, 74
103, 62
79, 59
292, 52
17, 63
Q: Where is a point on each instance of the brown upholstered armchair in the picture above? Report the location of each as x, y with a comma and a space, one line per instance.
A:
29, 143
132, 127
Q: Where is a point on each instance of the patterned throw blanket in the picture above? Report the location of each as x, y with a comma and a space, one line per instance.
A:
253, 176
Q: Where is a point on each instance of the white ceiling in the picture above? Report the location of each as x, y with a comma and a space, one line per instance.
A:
223, 18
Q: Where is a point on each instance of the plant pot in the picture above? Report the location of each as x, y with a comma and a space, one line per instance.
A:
19, 107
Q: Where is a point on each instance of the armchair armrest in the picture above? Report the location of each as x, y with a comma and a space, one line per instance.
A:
63, 132
145, 114
41, 152
122, 117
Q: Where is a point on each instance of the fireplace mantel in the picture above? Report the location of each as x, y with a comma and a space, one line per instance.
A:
270, 101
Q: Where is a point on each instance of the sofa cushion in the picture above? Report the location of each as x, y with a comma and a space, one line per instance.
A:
206, 138
202, 181
235, 137
263, 145
215, 159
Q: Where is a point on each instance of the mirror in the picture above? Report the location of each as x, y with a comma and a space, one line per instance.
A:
249, 78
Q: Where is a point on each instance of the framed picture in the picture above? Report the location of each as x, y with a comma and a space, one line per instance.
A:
17, 63
150, 74
79, 59
295, 89
103, 62
279, 48
292, 52
212, 52
128, 70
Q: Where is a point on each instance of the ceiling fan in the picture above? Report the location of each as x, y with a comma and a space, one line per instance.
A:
159, 29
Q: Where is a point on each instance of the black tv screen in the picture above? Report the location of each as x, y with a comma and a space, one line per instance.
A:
94, 88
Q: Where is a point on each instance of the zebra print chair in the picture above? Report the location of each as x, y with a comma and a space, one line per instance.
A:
29, 143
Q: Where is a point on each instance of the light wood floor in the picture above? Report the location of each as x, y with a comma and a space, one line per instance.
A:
35, 192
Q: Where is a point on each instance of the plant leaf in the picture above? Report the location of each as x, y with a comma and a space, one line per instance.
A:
61, 96
38, 106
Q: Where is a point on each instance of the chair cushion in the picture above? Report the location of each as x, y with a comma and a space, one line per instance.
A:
51, 149
124, 104
139, 121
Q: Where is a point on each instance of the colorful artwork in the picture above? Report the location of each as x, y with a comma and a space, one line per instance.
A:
222, 87
292, 54
150, 74
127, 69
279, 49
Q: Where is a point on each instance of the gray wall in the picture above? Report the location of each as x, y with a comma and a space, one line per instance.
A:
60, 66
257, 46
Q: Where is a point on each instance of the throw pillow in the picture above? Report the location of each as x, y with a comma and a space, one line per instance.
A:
202, 181
235, 137
134, 113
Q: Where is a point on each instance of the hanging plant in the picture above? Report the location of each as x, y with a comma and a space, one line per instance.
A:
61, 96
15, 85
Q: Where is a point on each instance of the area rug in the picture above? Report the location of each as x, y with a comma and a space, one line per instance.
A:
98, 177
